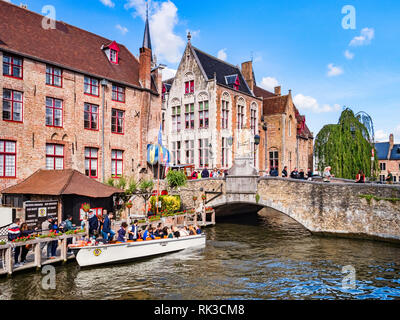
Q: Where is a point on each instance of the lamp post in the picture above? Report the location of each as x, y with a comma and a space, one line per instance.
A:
265, 129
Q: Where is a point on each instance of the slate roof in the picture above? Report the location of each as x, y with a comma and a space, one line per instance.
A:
222, 69
66, 46
395, 155
62, 182
382, 150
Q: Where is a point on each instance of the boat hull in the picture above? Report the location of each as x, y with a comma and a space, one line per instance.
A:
115, 253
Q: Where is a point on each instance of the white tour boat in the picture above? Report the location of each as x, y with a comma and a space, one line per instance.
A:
120, 252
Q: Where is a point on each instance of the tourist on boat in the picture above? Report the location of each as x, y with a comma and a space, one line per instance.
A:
134, 231
107, 233
166, 232
159, 231
192, 231
184, 232
302, 175
284, 172
389, 178
175, 232
14, 232
198, 230
122, 232
170, 234
148, 233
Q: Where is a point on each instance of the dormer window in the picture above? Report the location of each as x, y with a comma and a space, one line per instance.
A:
112, 52
233, 81
114, 56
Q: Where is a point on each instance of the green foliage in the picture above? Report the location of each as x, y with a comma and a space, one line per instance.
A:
176, 179
369, 198
121, 183
146, 186
168, 203
257, 198
345, 147
132, 187
110, 182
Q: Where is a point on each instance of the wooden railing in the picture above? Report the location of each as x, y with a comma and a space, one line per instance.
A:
7, 257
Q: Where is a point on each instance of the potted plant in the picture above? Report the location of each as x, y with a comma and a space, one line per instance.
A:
86, 207
203, 197
194, 198
129, 204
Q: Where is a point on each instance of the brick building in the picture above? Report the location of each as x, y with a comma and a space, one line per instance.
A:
205, 106
73, 100
234, 102
389, 159
288, 141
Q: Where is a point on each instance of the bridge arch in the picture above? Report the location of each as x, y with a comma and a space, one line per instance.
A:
227, 206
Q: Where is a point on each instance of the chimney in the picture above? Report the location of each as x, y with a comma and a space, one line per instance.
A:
391, 140
247, 71
278, 90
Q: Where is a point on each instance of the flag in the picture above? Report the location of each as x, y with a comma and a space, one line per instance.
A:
160, 136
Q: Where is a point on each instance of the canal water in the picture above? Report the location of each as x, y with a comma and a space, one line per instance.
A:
266, 256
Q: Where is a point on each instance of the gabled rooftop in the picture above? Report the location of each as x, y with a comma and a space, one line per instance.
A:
66, 46
62, 182
212, 65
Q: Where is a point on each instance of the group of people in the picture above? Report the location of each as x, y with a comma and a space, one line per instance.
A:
205, 173
20, 229
295, 174
133, 233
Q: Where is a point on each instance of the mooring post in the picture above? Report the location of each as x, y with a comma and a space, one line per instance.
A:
9, 262
38, 255
64, 249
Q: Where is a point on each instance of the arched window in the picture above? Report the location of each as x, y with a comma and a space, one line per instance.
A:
241, 107
253, 118
225, 111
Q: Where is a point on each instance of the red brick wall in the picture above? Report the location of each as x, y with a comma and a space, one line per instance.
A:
32, 135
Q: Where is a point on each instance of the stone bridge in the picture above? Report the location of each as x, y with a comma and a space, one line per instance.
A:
342, 209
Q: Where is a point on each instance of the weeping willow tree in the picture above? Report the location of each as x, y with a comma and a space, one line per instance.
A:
346, 147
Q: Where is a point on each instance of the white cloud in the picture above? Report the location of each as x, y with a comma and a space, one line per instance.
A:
168, 73
167, 44
367, 34
383, 136
269, 83
108, 3
139, 6
222, 55
334, 71
307, 103
349, 55
122, 29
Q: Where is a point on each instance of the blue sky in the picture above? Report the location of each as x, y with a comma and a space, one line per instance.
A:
299, 45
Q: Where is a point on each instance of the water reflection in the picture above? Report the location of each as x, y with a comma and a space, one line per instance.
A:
268, 256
